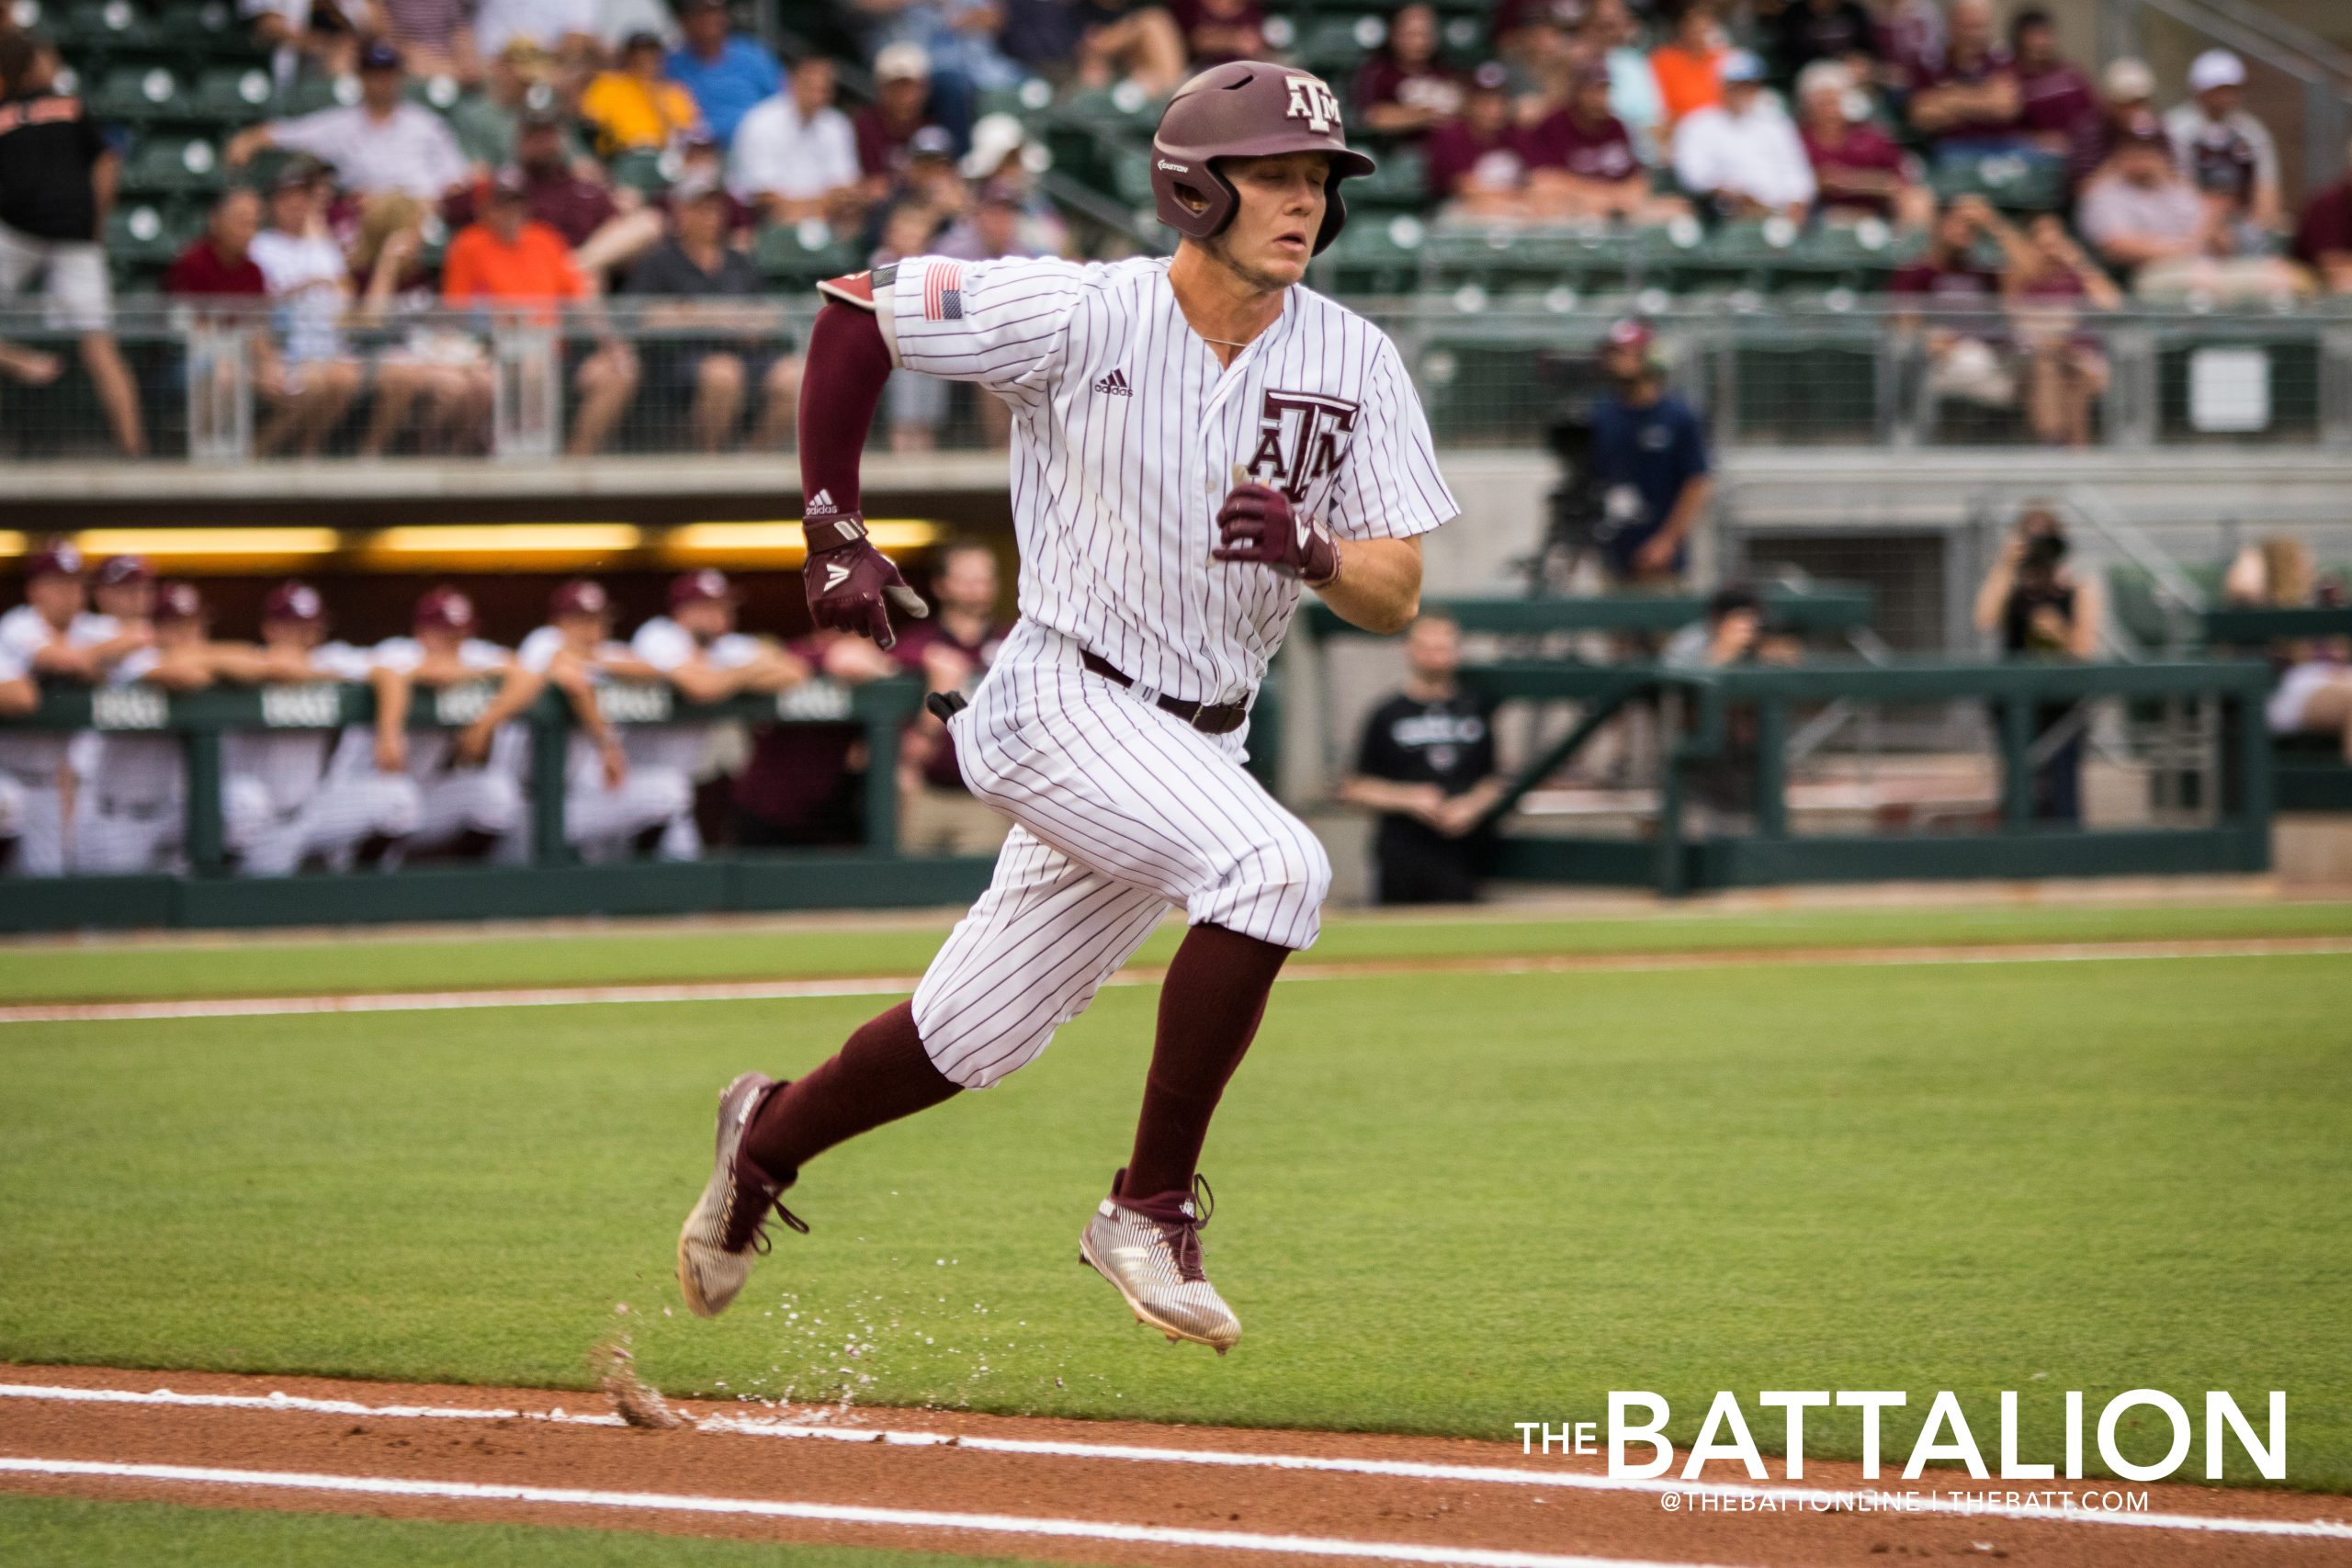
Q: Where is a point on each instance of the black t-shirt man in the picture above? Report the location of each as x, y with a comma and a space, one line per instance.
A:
1447, 741
48, 144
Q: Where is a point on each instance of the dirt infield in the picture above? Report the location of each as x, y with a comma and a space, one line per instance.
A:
1067, 1490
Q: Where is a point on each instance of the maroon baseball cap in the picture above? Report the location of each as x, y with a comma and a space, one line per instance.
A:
294, 601
1630, 333
115, 571
179, 602
445, 608
579, 597
58, 558
708, 585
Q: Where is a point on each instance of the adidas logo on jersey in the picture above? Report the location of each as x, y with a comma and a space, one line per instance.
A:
821, 505
1115, 384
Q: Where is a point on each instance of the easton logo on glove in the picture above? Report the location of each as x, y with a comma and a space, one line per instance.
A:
1258, 523
849, 582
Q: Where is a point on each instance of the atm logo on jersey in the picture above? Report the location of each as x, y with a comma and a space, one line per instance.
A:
1301, 439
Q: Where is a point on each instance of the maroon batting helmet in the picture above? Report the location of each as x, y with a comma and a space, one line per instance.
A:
1245, 109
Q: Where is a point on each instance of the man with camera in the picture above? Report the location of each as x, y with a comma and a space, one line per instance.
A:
1648, 463
2041, 611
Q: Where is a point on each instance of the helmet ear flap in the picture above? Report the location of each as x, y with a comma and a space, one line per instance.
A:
1335, 214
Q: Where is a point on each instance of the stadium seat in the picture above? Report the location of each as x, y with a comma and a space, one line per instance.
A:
1333, 47
231, 95
135, 94
173, 166
310, 94
2014, 182
1401, 181
149, 234
644, 170
1377, 257
439, 94
1505, 258
212, 28
101, 28
803, 255
1125, 110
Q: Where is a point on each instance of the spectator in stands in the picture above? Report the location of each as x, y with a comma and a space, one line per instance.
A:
1611, 36
1859, 170
2050, 285
1649, 463
1006, 163
319, 37
633, 107
959, 37
1133, 41
702, 160
2127, 91
2033, 600
381, 143
933, 180
601, 236
507, 259
801, 784
1912, 39
2226, 153
521, 78
887, 126
917, 405
1949, 297
619, 20
1840, 30
796, 154
2313, 695
1426, 764
1582, 162
2149, 224
57, 184
1534, 42
434, 37
1742, 157
1218, 32
950, 651
1477, 164
2323, 241
726, 72
1971, 102
565, 28
1688, 66
218, 265
2058, 110
1405, 88
719, 338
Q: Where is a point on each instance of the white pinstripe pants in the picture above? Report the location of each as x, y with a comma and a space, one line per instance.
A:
1120, 811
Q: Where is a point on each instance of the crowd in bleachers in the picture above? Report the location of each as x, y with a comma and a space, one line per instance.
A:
115, 801
497, 155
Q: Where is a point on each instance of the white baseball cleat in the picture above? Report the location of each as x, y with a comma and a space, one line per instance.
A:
727, 1228
1150, 1248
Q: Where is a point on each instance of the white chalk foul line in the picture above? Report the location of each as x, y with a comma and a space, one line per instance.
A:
831, 1512
899, 984
1823, 1498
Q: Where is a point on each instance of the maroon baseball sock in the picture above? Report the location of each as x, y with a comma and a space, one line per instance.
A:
879, 1076
1209, 1008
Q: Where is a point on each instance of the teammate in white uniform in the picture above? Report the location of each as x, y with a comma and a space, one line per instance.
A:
131, 813
697, 650
607, 803
19, 694
462, 806
365, 812
54, 637
1193, 440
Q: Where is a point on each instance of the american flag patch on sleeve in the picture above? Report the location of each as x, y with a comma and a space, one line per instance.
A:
942, 291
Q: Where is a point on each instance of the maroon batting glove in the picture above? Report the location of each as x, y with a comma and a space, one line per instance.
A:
850, 581
1256, 523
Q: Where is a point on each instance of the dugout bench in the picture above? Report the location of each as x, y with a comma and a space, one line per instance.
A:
873, 874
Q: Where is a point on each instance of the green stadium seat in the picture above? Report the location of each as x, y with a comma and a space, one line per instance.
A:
312, 93
803, 255
2014, 182
1333, 47
1402, 180
149, 234
100, 28
1378, 257
134, 94
644, 170
1504, 259
439, 94
212, 28
1131, 181
233, 96
172, 166
1124, 111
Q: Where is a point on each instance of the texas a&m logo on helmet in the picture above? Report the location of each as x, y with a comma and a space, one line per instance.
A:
1312, 100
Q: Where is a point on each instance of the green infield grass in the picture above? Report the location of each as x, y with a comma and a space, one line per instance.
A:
1450, 1202
67, 1533
260, 965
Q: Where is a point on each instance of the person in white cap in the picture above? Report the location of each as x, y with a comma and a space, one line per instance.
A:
794, 156
1744, 155
2226, 153
888, 127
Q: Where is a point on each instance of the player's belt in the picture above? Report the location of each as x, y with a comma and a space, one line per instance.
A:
1209, 718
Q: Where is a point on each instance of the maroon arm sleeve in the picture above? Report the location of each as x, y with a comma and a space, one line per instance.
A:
841, 386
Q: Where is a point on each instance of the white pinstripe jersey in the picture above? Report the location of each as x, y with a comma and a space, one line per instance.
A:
1126, 435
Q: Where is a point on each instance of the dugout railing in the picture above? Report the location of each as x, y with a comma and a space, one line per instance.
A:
2311, 771
554, 883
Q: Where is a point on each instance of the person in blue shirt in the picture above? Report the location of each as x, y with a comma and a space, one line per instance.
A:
1649, 460
726, 72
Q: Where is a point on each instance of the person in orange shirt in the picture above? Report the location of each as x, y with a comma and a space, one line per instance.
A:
633, 107
1688, 67
507, 261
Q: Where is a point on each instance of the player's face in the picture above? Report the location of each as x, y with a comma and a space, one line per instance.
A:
127, 600
583, 632
302, 635
706, 618
58, 599
1271, 237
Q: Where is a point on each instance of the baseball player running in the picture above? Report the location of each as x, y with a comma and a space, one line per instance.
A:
365, 812
607, 804
463, 807
697, 650
1154, 589
54, 636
